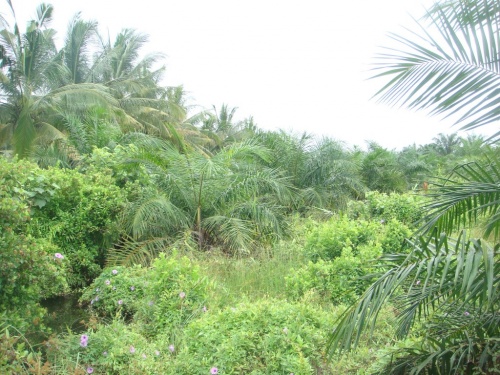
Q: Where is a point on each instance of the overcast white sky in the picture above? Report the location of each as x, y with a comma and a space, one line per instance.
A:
293, 65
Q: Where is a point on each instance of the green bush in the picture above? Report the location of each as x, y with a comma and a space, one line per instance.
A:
77, 213
176, 292
339, 281
405, 208
262, 337
327, 240
117, 290
393, 237
115, 348
30, 269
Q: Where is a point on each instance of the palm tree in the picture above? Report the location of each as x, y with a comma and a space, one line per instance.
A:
381, 171
220, 127
446, 144
450, 287
31, 97
228, 200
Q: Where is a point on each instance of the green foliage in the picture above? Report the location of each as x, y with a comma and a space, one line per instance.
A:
115, 348
175, 293
118, 162
17, 356
327, 240
271, 337
79, 218
393, 238
448, 287
30, 269
340, 281
406, 208
117, 291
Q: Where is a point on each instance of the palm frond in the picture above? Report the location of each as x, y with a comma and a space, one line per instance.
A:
470, 193
232, 233
457, 73
153, 216
435, 274
129, 251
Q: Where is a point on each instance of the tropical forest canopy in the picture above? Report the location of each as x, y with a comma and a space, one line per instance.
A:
180, 231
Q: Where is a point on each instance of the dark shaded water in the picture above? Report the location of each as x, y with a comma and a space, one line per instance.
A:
65, 313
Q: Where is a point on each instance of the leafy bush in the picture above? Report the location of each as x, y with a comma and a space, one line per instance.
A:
77, 213
327, 240
340, 281
115, 162
175, 293
271, 337
393, 238
17, 356
115, 348
30, 269
117, 290
405, 208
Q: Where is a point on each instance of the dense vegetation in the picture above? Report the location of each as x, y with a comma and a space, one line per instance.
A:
199, 244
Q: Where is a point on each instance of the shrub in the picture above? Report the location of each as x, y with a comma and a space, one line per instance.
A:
115, 348
77, 213
30, 269
271, 337
405, 208
393, 238
340, 281
176, 292
327, 240
117, 290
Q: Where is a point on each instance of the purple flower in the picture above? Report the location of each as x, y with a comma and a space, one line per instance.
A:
84, 341
171, 348
182, 295
157, 352
214, 370
132, 349
107, 282
120, 301
132, 288
90, 370
151, 303
105, 353
205, 309
96, 298
59, 256
466, 313
114, 272
144, 356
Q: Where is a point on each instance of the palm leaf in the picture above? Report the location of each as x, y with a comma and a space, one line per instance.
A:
129, 251
470, 193
456, 73
437, 273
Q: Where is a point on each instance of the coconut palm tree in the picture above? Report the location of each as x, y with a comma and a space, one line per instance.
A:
449, 287
31, 98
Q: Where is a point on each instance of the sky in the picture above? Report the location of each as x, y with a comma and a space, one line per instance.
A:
292, 65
